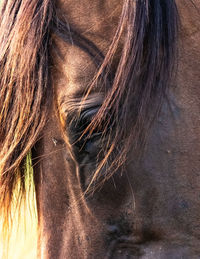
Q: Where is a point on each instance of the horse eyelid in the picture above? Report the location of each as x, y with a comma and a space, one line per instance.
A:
89, 113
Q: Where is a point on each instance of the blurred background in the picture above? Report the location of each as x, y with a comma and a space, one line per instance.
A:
23, 238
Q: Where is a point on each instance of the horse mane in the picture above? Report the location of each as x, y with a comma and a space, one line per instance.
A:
24, 90
134, 94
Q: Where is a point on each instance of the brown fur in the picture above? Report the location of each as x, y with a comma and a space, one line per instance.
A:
130, 64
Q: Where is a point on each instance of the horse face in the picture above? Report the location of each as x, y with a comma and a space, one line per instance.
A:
151, 207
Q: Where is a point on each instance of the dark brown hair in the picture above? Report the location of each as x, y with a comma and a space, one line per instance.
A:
135, 91
148, 29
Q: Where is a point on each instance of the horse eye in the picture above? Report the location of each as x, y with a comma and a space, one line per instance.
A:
92, 144
81, 141
89, 113
89, 143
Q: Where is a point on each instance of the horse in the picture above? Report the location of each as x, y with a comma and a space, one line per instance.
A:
104, 97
